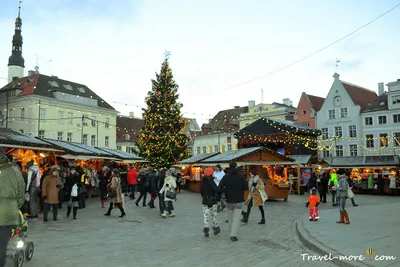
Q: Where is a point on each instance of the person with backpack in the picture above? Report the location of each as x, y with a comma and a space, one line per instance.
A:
143, 185
32, 190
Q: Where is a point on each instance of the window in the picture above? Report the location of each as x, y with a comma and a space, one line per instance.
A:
383, 139
336, 101
325, 152
22, 113
119, 148
93, 140
303, 111
106, 141
353, 150
223, 148
324, 133
396, 99
343, 113
382, 120
353, 131
54, 83
229, 139
84, 139
60, 136
331, 114
204, 150
396, 139
216, 148
198, 150
67, 86
60, 117
128, 149
42, 114
81, 90
84, 123
127, 137
209, 149
369, 140
93, 121
339, 151
338, 131
41, 134
107, 123
229, 147
70, 117
369, 121
396, 118
69, 137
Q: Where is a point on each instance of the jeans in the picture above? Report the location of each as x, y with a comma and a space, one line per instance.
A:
46, 209
161, 202
82, 200
323, 197
169, 206
132, 191
334, 199
342, 204
5, 233
234, 213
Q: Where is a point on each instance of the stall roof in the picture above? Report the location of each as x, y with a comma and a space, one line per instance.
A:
10, 138
93, 150
235, 154
364, 161
121, 154
197, 158
301, 159
68, 147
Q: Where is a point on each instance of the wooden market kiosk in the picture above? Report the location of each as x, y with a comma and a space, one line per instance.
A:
191, 173
255, 158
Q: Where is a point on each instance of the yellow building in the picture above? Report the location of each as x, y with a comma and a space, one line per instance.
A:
281, 111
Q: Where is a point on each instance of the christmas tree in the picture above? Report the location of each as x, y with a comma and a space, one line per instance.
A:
162, 141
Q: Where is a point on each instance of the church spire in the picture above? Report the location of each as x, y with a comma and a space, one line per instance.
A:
16, 62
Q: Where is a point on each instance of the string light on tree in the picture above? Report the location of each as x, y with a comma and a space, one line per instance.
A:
163, 116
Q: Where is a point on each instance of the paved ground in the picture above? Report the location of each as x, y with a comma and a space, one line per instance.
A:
144, 239
373, 226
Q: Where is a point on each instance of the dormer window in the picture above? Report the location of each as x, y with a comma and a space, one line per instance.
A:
304, 112
336, 101
127, 137
81, 90
67, 86
54, 83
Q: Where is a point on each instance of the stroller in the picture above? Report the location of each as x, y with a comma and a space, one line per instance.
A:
19, 249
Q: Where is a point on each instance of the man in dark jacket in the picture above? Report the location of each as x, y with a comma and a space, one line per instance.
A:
152, 187
143, 184
322, 185
233, 184
160, 183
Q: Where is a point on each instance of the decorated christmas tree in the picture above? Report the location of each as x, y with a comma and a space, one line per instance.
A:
162, 140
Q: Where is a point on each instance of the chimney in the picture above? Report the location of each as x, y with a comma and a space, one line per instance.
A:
31, 73
381, 89
287, 102
131, 114
252, 104
15, 82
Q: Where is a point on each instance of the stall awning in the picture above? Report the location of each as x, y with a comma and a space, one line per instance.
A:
388, 161
131, 161
13, 139
75, 157
68, 147
121, 154
197, 158
31, 147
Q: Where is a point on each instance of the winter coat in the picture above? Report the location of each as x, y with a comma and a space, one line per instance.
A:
132, 177
322, 185
153, 180
312, 183
169, 186
115, 184
208, 191
257, 192
50, 190
12, 193
392, 184
233, 184
143, 182
71, 180
342, 187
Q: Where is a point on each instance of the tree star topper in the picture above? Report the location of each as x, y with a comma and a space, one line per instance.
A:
167, 54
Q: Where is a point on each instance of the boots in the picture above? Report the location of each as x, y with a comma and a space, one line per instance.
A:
68, 211
164, 214
121, 209
217, 230
353, 202
206, 231
109, 210
341, 217
74, 212
151, 205
102, 204
346, 218
245, 217
262, 221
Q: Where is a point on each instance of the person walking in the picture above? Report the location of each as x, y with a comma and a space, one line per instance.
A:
218, 175
152, 190
143, 185
333, 182
12, 198
350, 193
50, 192
233, 184
104, 176
209, 192
132, 181
33, 190
342, 190
169, 192
393, 184
256, 197
72, 185
322, 185
160, 184
115, 194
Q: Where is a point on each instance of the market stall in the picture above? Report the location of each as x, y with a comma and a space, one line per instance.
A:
191, 173
259, 159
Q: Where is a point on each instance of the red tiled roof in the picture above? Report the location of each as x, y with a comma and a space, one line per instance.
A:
130, 126
316, 101
360, 96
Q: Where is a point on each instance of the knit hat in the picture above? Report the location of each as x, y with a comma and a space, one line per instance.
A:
313, 191
55, 167
208, 171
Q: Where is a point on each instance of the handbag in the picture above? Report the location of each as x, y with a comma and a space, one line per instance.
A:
112, 192
170, 195
74, 191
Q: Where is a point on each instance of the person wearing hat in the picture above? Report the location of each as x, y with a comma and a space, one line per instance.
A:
11, 199
342, 190
32, 190
50, 192
169, 192
312, 204
218, 174
209, 193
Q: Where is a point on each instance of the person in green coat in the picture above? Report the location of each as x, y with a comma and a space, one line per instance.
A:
370, 181
12, 198
333, 182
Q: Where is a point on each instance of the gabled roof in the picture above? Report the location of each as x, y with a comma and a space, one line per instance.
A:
128, 128
359, 95
363, 161
12, 138
121, 154
66, 146
316, 102
227, 120
197, 158
43, 85
381, 103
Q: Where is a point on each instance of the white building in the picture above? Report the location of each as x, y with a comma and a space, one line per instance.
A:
49, 107
214, 142
339, 119
381, 122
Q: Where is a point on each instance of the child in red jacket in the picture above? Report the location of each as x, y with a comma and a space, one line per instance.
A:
312, 204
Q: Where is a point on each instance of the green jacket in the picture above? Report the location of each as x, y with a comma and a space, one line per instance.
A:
334, 179
12, 193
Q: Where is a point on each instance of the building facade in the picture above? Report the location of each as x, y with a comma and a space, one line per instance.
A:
306, 112
272, 111
381, 122
339, 119
215, 142
128, 130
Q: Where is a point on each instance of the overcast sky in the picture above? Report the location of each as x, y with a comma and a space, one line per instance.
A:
115, 47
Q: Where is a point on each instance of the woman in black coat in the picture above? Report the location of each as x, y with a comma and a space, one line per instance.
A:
103, 178
72, 185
